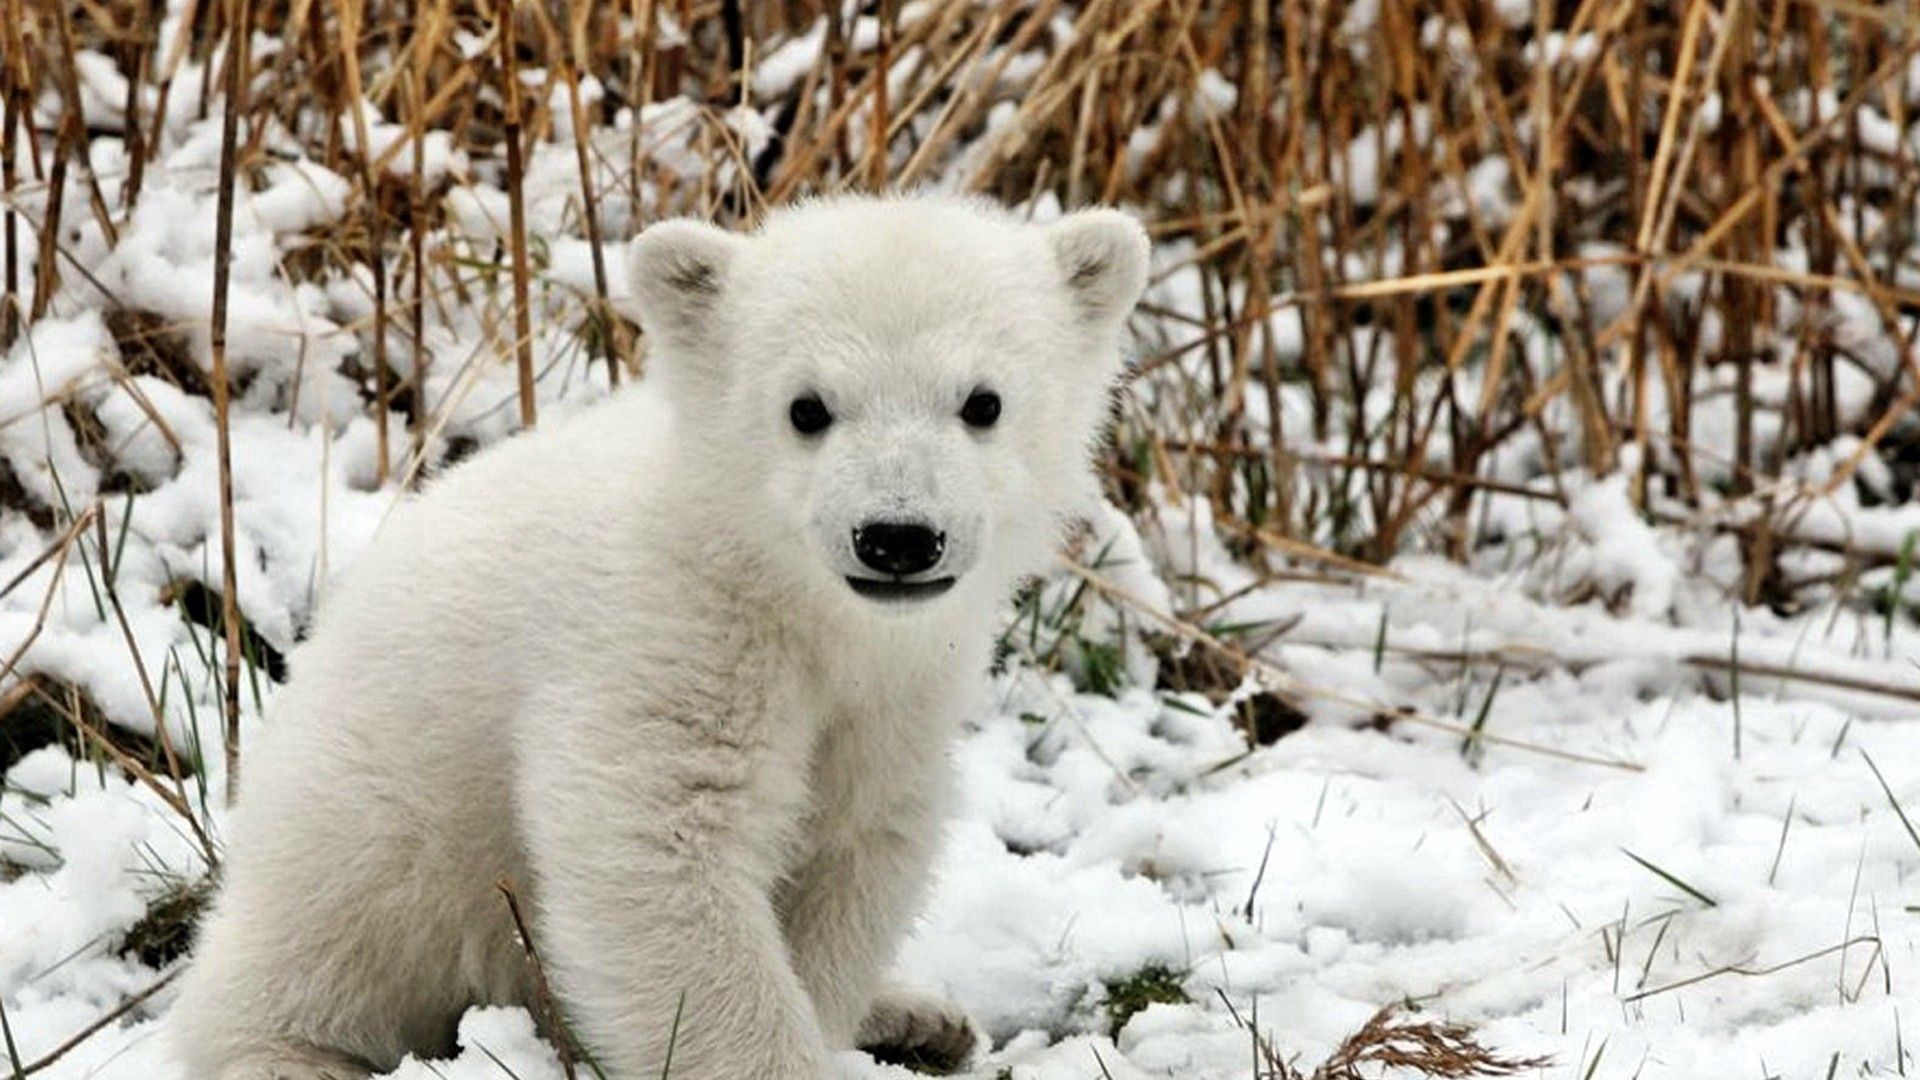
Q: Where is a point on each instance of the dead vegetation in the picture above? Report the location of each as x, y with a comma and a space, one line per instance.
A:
1390, 1043
1433, 1048
1312, 169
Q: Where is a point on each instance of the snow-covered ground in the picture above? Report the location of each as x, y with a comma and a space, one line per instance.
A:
1681, 911
1562, 793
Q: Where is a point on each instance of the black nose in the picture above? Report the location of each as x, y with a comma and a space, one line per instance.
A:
898, 548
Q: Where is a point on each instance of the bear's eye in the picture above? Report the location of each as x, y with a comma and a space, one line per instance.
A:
982, 409
809, 414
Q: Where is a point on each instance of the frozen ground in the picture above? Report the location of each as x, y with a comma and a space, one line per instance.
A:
1561, 793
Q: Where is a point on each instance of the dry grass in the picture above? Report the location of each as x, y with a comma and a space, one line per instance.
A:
1424, 1047
1389, 1044
1243, 133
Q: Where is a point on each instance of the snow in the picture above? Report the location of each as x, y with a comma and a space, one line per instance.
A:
1625, 550
787, 63
439, 158
1100, 835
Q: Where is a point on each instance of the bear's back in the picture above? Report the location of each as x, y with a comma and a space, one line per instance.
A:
498, 559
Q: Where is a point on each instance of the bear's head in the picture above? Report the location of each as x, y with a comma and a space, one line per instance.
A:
893, 400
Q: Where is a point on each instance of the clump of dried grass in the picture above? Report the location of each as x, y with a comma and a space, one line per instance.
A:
1425, 1047
1390, 1044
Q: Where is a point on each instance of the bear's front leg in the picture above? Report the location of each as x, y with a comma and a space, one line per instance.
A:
845, 913
653, 866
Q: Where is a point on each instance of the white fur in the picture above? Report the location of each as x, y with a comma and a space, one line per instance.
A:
616, 662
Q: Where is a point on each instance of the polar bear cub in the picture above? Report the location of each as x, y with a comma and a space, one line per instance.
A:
685, 670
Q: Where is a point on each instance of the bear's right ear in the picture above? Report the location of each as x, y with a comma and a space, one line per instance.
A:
1103, 256
676, 271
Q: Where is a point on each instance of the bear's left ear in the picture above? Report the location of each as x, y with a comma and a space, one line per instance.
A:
1103, 256
676, 271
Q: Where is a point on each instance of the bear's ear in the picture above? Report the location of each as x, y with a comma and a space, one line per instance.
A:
1103, 256
676, 271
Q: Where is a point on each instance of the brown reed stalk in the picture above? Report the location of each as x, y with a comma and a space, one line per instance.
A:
876, 171
641, 75
73, 114
47, 265
161, 729
601, 309
516, 207
13, 76
836, 57
417, 244
138, 52
239, 21
177, 52
543, 999
349, 14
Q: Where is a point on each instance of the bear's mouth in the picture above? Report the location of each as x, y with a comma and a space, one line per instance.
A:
893, 590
